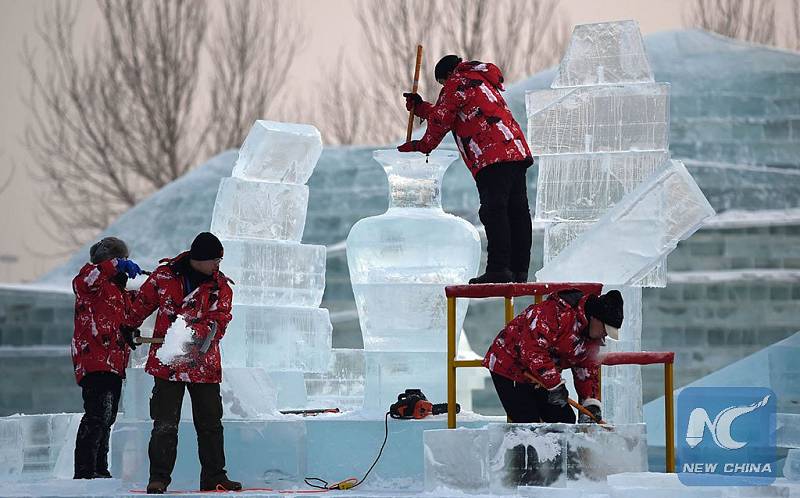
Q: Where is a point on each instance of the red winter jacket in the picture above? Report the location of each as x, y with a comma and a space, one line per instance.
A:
545, 339
471, 106
205, 309
100, 308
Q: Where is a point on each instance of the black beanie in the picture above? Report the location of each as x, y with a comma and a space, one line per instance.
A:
445, 66
606, 308
206, 246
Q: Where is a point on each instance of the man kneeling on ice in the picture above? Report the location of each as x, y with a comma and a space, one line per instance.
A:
193, 299
564, 331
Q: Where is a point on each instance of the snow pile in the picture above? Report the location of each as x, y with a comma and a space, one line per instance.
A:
176, 343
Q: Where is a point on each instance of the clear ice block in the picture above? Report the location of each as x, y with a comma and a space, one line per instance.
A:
391, 373
456, 459
247, 393
278, 338
259, 210
599, 119
558, 236
622, 384
604, 53
788, 430
273, 273
554, 454
636, 234
279, 152
12, 451
582, 187
341, 385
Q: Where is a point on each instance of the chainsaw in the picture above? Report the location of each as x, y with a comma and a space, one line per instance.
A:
412, 404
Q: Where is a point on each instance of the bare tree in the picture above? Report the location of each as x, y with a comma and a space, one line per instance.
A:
253, 50
521, 36
341, 113
750, 20
793, 36
116, 121
7, 182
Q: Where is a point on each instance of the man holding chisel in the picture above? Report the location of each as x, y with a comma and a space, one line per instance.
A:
192, 296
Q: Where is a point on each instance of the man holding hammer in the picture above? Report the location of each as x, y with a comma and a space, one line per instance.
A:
192, 298
494, 149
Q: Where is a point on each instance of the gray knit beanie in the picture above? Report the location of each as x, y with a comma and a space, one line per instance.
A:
108, 248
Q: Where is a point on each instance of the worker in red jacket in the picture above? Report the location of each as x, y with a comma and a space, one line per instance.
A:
564, 331
100, 352
494, 149
193, 299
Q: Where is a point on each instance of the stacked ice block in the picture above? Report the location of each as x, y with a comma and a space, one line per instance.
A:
259, 215
613, 202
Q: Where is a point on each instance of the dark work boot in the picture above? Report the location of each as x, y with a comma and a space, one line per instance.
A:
520, 277
223, 484
493, 277
156, 488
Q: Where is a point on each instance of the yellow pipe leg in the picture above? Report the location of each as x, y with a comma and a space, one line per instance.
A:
451, 367
669, 418
509, 309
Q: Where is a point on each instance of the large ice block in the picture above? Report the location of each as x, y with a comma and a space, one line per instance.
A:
262, 453
636, 234
558, 236
12, 452
341, 385
791, 469
582, 187
279, 152
247, 393
278, 338
259, 210
554, 454
604, 53
275, 272
391, 373
600, 119
456, 459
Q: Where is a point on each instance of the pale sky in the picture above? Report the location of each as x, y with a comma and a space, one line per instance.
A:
332, 27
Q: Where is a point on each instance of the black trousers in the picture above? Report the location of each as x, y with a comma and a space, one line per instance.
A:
165, 410
101, 393
505, 215
525, 403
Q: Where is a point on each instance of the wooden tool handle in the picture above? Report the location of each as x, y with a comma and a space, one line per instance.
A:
148, 340
414, 87
571, 401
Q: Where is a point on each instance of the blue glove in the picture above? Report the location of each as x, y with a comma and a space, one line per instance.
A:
128, 267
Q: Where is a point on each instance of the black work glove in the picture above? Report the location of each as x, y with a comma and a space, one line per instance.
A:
586, 419
128, 333
412, 100
558, 396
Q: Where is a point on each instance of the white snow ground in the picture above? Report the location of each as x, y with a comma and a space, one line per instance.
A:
628, 485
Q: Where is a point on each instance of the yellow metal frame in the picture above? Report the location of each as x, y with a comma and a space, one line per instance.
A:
453, 364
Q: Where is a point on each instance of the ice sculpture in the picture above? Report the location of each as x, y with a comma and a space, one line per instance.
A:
791, 469
636, 234
601, 132
279, 152
399, 263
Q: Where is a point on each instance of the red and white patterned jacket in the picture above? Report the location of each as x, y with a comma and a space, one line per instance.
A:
207, 308
100, 309
545, 339
471, 106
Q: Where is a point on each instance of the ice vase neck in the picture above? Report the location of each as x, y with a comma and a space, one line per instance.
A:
415, 181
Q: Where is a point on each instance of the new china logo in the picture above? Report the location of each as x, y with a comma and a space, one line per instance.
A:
726, 432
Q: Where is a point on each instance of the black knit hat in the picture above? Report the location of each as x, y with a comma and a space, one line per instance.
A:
108, 248
606, 308
445, 66
206, 246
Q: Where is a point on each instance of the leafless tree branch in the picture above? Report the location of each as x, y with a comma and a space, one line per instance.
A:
520, 36
750, 20
252, 52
